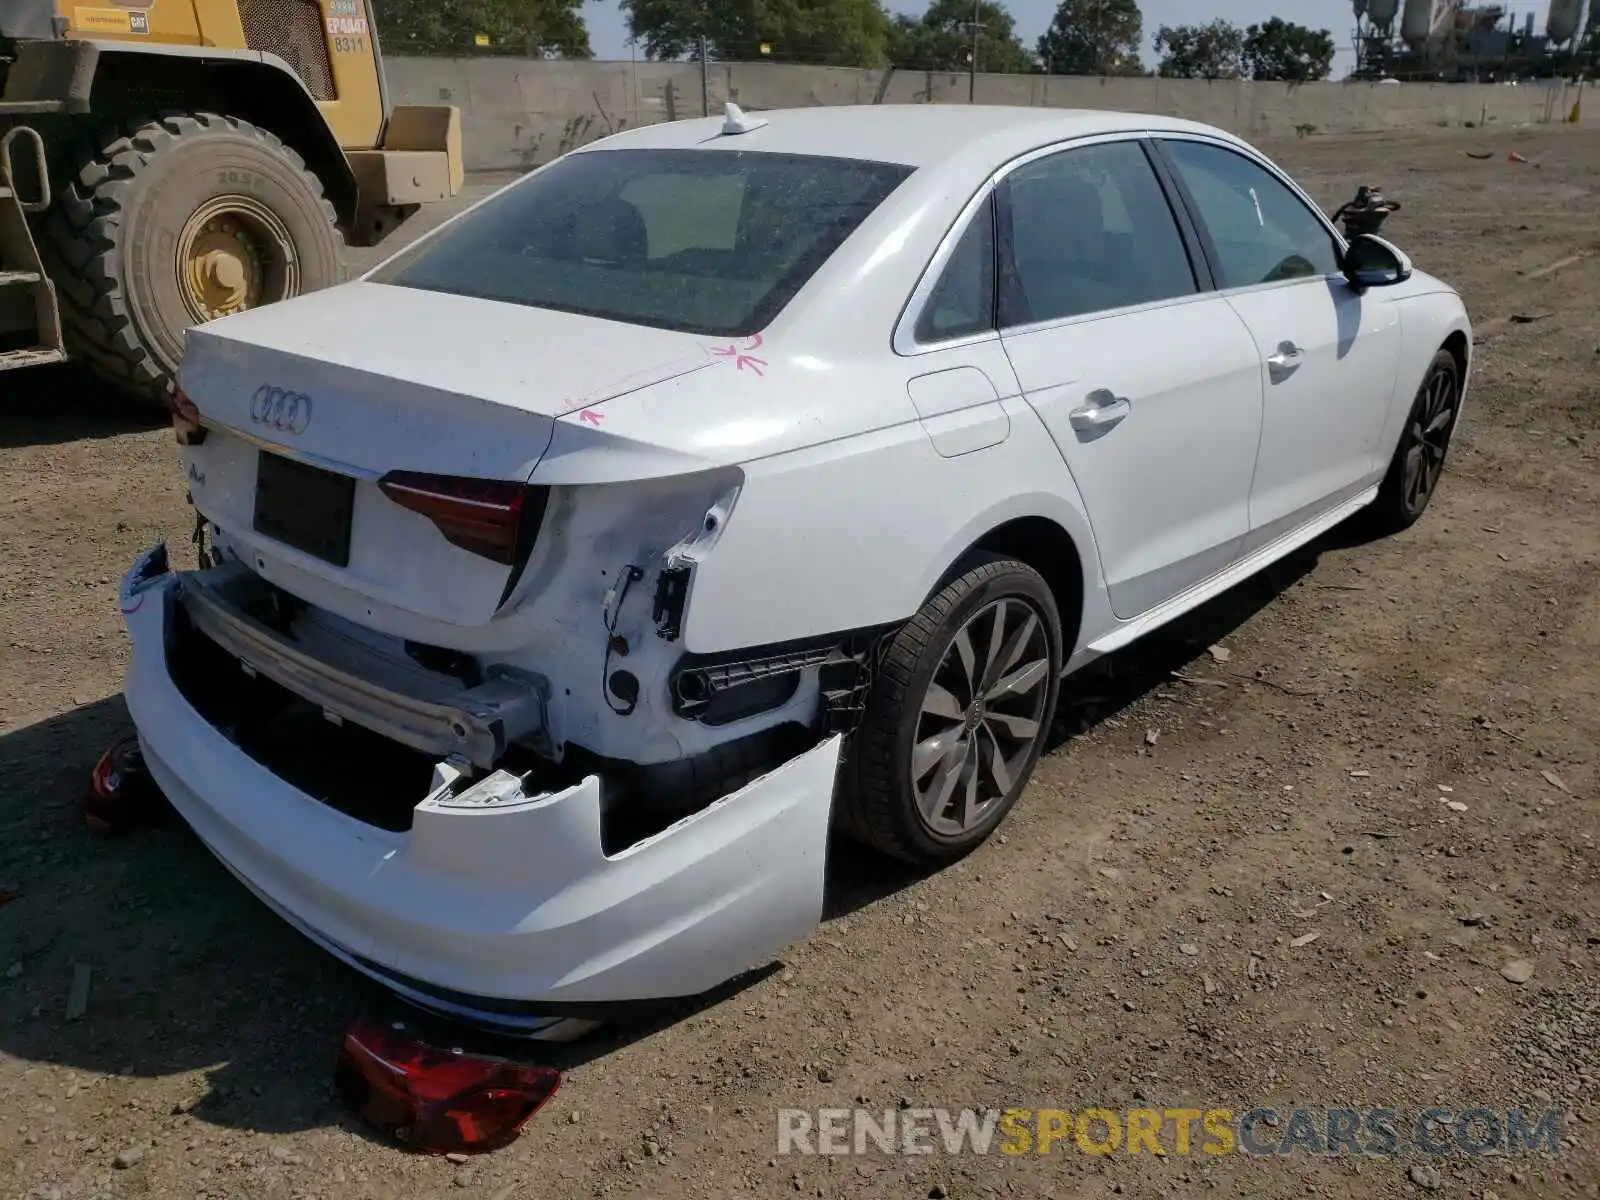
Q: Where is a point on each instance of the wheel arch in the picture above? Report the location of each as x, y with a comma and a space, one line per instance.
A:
1460, 350
252, 86
1429, 323
1046, 546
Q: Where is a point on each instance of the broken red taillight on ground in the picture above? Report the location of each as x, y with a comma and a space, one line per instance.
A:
439, 1101
121, 794
481, 515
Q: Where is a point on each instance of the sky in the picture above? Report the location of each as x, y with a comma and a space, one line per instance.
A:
608, 30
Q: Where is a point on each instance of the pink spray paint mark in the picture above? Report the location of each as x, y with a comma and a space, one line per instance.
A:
742, 356
589, 417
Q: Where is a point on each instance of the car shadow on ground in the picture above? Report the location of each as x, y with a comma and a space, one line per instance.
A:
1101, 691
48, 406
190, 976
1114, 683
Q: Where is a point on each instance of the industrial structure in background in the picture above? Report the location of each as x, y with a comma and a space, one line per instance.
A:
167, 162
1454, 41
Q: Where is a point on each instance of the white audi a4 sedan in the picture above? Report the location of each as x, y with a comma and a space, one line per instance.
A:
569, 577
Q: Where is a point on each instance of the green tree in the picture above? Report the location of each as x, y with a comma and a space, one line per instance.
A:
530, 27
1211, 51
1283, 50
848, 33
941, 39
1094, 37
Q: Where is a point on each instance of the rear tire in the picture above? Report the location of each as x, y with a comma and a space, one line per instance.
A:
957, 716
130, 235
1419, 459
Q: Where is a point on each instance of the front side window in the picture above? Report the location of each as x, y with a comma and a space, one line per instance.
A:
1260, 231
713, 242
1087, 230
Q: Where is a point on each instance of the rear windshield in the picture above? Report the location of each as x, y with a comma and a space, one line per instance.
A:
713, 242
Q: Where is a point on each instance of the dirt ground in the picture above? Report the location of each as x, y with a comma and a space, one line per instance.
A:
1396, 751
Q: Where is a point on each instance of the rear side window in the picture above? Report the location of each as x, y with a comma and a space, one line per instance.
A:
712, 242
962, 303
1086, 230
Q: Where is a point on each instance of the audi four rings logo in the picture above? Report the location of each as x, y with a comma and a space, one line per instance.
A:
280, 409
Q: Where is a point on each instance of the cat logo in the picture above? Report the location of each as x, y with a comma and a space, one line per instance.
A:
112, 20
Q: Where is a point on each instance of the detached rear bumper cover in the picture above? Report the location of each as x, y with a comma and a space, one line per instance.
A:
476, 908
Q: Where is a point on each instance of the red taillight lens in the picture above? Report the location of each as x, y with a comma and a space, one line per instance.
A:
480, 515
181, 406
440, 1101
185, 417
121, 794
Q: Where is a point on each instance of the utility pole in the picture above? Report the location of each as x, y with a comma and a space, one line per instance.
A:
705, 64
705, 78
972, 72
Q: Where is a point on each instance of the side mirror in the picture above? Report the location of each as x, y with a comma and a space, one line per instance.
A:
1372, 262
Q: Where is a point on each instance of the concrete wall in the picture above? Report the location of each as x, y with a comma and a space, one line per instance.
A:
518, 113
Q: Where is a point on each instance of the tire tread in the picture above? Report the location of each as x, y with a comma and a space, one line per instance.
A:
82, 234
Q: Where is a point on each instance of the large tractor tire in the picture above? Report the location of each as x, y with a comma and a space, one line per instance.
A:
172, 222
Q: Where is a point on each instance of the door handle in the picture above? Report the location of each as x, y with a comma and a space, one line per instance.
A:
1101, 412
1285, 361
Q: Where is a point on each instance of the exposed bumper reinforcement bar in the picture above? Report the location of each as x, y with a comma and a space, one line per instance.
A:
477, 723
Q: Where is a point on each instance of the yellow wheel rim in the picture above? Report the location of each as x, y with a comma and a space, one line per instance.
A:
235, 253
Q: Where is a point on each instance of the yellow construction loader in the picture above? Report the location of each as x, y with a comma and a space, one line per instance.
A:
167, 162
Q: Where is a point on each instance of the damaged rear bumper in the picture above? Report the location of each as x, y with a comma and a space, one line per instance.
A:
509, 914
476, 723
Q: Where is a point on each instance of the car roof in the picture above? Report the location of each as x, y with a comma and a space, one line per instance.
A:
915, 135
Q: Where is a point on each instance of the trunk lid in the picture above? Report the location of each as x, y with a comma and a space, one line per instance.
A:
367, 380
